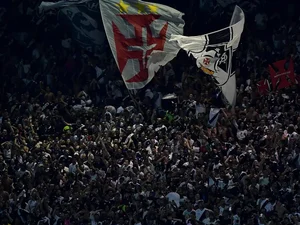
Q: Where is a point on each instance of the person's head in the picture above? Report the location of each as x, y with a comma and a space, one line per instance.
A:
4, 132
200, 204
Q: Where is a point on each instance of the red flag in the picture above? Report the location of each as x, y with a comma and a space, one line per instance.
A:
263, 87
282, 74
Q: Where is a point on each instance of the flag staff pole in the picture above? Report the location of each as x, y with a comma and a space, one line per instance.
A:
135, 102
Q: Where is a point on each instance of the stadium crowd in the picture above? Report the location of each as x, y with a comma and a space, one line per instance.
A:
78, 148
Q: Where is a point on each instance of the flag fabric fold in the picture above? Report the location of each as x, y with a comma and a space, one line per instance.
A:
213, 117
170, 96
138, 34
45, 6
214, 53
83, 20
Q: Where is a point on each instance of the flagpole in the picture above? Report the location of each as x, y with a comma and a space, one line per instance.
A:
232, 122
135, 102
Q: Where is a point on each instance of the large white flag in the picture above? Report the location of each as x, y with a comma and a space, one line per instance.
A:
138, 34
214, 53
45, 6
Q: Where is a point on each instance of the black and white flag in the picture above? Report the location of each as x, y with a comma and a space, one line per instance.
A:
214, 53
82, 18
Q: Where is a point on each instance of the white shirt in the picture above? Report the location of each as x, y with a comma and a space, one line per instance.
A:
191, 142
73, 168
221, 184
207, 221
120, 110
174, 196
92, 218
31, 206
200, 108
269, 207
236, 220
263, 181
199, 213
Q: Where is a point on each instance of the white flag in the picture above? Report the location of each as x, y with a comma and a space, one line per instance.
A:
170, 96
45, 6
213, 116
138, 34
215, 51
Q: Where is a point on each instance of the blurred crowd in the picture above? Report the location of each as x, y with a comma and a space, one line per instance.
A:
78, 148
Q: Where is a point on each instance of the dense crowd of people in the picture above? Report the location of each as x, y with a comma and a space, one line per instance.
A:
78, 148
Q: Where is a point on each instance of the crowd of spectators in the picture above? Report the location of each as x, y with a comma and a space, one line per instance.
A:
78, 148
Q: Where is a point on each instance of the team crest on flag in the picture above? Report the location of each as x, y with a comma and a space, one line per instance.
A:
138, 34
206, 61
139, 47
215, 53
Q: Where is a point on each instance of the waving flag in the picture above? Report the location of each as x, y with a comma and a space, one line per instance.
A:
45, 6
282, 74
82, 18
138, 34
84, 22
215, 52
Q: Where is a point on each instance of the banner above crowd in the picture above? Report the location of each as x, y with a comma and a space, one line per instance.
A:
138, 34
82, 18
214, 53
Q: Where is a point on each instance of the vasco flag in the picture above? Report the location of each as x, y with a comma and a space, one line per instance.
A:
215, 52
84, 22
138, 34
82, 18
282, 74
45, 6
263, 87
213, 117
